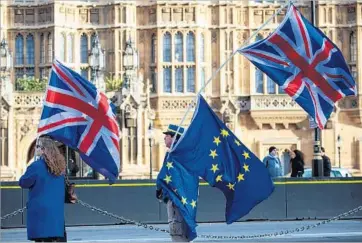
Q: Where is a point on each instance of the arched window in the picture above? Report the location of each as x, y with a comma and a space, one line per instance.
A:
191, 79
167, 47
42, 49
84, 49
270, 85
202, 48
179, 47
179, 77
50, 48
19, 50
153, 48
259, 81
30, 50
167, 80
190, 47
353, 47
62, 47
70, 48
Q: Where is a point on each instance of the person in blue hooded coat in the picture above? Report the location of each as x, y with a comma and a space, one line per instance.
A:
46, 183
273, 163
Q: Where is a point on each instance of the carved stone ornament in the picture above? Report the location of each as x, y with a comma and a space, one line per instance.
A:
177, 104
151, 114
28, 99
4, 111
227, 116
130, 112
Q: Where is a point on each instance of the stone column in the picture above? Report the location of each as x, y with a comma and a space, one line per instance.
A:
140, 136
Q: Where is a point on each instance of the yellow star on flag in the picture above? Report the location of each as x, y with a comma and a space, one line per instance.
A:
193, 203
246, 168
224, 133
237, 142
231, 186
167, 179
169, 165
246, 155
217, 140
213, 153
218, 178
184, 200
214, 168
240, 177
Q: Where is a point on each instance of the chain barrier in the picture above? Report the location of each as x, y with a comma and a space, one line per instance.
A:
122, 219
150, 227
10, 215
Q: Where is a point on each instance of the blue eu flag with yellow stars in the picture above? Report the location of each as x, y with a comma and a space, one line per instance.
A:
210, 150
182, 188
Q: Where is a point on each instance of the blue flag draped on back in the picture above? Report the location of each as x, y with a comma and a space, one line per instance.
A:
305, 63
182, 188
210, 150
81, 117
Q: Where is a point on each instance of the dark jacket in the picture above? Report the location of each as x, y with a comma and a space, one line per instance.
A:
45, 206
326, 166
297, 166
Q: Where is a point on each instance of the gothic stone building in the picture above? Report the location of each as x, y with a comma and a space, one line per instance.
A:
180, 44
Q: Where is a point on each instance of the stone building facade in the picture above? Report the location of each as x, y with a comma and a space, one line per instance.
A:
180, 45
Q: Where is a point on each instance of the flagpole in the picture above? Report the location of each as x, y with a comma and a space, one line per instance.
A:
42, 109
317, 162
227, 60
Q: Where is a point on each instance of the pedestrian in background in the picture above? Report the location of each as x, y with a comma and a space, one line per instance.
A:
297, 163
46, 183
327, 167
272, 162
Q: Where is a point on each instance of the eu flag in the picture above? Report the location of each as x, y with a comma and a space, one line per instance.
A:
210, 150
181, 187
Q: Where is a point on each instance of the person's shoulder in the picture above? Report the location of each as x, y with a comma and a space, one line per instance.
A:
38, 163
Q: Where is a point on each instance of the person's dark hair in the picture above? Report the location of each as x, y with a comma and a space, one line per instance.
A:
323, 150
271, 149
299, 155
177, 138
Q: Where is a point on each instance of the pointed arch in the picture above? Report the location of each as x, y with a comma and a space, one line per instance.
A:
30, 58
84, 48
167, 47
190, 47
179, 47
19, 50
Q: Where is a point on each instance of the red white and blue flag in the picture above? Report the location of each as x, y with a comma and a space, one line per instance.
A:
305, 63
81, 117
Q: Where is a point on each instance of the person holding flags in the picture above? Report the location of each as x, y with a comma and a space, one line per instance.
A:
177, 224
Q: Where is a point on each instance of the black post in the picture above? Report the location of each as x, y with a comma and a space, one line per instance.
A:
339, 157
317, 163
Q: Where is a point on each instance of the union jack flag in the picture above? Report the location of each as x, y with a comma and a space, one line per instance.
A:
81, 117
305, 63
